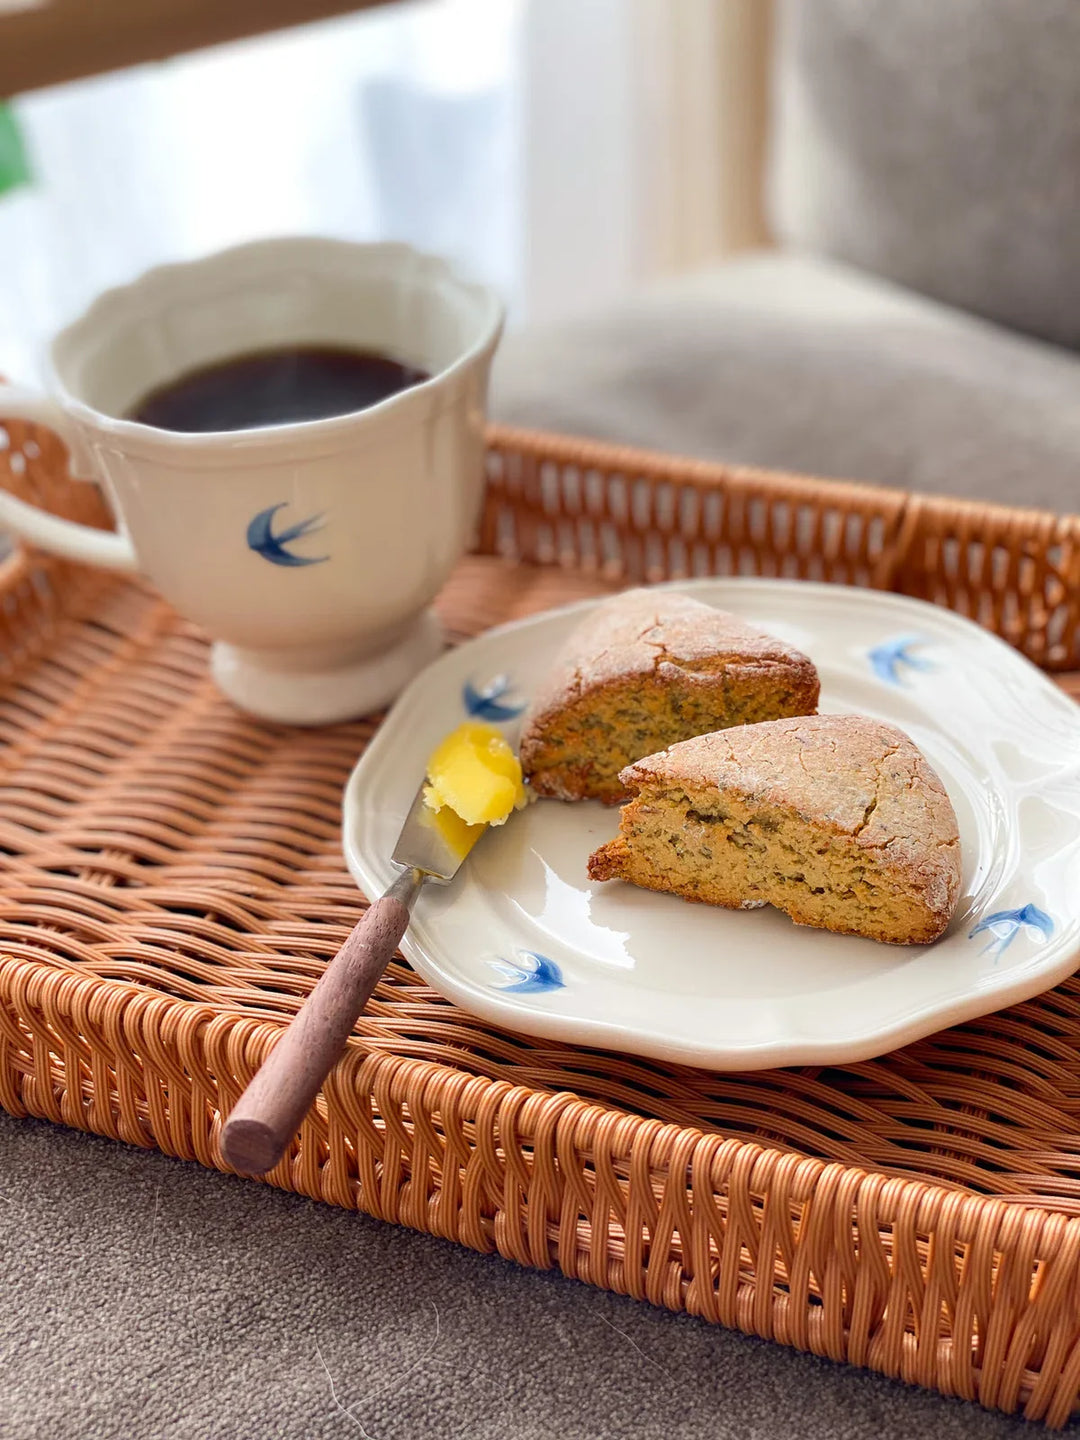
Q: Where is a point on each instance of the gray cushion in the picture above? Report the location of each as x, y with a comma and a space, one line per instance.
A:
937, 142
799, 364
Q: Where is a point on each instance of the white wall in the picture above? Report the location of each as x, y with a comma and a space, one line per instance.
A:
568, 151
643, 137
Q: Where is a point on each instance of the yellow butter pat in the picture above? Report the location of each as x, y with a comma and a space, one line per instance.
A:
474, 773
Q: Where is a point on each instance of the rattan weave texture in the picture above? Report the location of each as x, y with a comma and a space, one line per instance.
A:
171, 883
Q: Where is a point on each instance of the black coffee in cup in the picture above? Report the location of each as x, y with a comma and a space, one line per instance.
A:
275, 387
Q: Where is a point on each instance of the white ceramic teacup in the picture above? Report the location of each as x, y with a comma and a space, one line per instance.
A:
309, 552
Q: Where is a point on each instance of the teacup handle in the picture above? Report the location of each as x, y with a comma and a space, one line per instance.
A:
105, 548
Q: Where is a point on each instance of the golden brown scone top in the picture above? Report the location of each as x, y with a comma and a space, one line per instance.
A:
638, 632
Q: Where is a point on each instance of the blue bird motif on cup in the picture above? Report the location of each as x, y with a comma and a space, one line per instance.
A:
274, 547
892, 658
487, 702
1004, 926
529, 974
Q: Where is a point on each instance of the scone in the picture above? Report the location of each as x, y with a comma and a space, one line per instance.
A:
836, 819
644, 670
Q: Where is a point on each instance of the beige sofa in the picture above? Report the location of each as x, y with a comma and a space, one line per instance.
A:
915, 323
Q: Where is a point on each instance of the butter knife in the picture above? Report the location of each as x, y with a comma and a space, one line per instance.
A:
430, 848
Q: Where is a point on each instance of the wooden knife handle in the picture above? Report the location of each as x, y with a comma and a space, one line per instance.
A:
271, 1109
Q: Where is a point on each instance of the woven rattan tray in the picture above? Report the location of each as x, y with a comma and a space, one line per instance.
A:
171, 884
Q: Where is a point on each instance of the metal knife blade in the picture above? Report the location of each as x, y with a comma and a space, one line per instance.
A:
434, 842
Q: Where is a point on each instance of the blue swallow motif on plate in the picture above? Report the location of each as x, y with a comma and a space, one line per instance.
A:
261, 538
888, 658
487, 702
1005, 925
529, 974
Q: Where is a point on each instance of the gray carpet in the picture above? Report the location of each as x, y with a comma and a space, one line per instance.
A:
144, 1297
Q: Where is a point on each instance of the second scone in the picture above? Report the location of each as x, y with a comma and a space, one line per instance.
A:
647, 669
838, 820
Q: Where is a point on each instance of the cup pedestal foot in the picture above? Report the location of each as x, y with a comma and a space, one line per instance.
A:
273, 687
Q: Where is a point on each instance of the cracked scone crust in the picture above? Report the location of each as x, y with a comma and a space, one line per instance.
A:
643, 671
838, 820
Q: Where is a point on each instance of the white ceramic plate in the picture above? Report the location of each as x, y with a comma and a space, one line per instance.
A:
523, 938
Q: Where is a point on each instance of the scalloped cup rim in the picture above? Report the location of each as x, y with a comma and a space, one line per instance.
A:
128, 299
